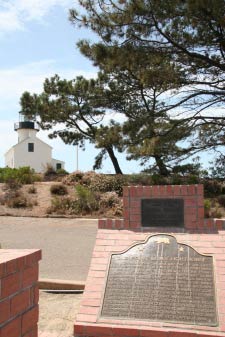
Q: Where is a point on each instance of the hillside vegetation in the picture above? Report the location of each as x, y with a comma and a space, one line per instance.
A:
24, 193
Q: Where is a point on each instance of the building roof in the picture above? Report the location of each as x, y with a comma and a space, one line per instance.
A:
59, 161
26, 139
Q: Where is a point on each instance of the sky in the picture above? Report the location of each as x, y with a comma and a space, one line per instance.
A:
37, 41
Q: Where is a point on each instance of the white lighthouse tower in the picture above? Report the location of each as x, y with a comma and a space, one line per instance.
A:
30, 150
25, 128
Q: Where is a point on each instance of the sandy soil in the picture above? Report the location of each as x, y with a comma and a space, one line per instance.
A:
57, 313
41, 200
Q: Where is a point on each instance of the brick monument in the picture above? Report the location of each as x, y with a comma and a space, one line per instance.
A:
19, 292
150, 278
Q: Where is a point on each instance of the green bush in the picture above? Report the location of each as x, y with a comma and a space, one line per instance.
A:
156, 179
192, 179
176, 180
87, 201
207, 207
58, 189
139, 179
62, 205
62, 172
207, 204
22, 175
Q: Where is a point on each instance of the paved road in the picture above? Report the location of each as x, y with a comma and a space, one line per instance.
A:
66, 244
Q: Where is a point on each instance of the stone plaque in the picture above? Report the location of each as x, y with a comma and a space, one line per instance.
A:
161, 280
162, 212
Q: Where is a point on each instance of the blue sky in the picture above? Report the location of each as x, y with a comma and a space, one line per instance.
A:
37, 41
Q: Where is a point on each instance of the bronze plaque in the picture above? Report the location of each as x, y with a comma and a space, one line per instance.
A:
161, 280
162, 212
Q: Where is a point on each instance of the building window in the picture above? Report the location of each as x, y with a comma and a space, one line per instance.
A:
30, 147
58, 166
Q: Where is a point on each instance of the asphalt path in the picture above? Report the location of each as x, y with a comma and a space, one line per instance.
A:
66, 244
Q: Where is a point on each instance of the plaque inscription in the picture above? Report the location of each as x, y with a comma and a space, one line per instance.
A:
162, 212
161, 280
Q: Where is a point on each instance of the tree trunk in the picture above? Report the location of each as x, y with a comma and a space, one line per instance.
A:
161, 166
114, 160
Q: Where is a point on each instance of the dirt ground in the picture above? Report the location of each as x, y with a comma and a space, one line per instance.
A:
58, 312
41, 200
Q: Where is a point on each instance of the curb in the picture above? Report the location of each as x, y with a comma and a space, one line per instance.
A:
47, 216
55, 284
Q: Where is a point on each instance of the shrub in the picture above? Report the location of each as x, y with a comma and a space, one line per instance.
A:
18, 202
216, 213
192, 179
62, 205
118, 210
12, 185
32, 190
207, 207
26, 175
176, 180
156, 179
49, 170
58, 189
109, 199
22, 175
97, 182
212, 209
111, 202
212, 188
73, 178
108, 183
15, 199
87, 201
221, 200
62, 172
139, 179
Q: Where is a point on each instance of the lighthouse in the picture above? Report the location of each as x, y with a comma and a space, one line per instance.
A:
30, 150
25, 128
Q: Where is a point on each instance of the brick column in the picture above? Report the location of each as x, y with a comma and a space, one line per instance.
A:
19, 292
191, 194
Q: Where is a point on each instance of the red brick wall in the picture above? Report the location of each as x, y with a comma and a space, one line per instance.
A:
210, 225
19, 292
191, 194
193, 207
89, 322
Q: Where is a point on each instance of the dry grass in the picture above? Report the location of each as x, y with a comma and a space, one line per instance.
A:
39, 196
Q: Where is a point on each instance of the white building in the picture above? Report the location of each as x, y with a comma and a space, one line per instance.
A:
30, 150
